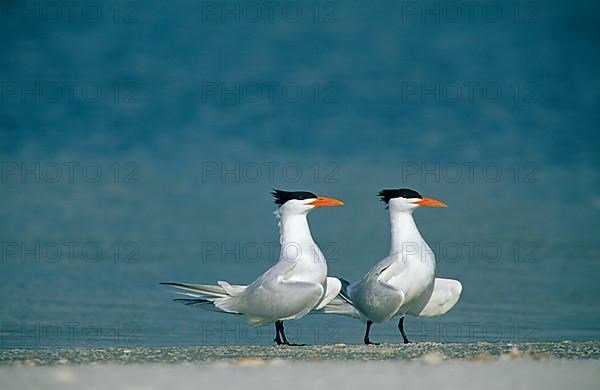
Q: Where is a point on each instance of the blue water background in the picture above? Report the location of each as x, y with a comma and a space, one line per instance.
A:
371, 134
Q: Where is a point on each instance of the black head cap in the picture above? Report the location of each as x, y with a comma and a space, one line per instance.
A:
405, 193
283, 196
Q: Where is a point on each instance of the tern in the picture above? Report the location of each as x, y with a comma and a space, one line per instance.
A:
296, 284
404, 282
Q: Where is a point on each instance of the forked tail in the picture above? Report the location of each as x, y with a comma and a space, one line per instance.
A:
210, 297
342, 303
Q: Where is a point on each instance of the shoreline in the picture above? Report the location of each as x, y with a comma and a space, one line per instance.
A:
483, 351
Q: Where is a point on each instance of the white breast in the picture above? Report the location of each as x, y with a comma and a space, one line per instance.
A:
416, 272
310, 264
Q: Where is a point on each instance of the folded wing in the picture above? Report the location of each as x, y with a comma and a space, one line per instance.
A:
333, 288
446, 293
342, 303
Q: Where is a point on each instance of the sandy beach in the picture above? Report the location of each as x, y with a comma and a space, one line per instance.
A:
415, 366
425, 351
278, 374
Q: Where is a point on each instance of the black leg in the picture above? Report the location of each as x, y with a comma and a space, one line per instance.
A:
282, 330
280, 338
285, 341
278, 325
366, 339
401, 327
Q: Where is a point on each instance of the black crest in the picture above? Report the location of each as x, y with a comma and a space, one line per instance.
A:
283, 196
405, 193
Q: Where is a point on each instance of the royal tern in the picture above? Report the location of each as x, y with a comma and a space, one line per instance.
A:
291, 288
404, 282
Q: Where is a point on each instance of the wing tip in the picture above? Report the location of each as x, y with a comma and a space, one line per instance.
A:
344, 290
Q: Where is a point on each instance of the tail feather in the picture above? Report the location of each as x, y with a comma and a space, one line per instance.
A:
344, 290
200, 289
231, 289
205, 304
192, 301
224, 297
340, 306
342, 303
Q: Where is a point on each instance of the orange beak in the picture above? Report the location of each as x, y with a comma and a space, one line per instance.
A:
429, 202
324, 202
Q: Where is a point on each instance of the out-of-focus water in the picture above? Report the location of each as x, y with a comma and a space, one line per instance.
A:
518, 170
